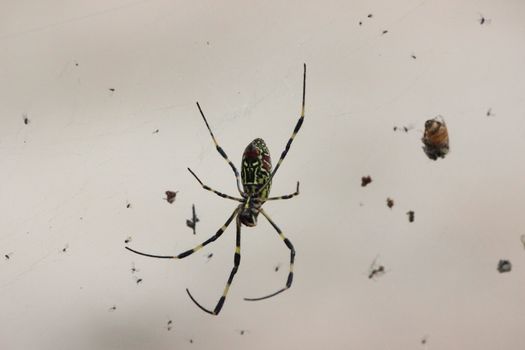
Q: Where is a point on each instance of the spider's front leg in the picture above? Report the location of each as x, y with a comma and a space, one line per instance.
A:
294, 133
221, 151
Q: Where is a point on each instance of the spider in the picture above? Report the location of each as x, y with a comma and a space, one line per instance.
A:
257, 175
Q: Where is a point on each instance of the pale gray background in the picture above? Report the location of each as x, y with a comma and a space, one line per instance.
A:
66, 177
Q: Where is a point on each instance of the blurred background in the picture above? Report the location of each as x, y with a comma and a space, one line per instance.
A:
98, 119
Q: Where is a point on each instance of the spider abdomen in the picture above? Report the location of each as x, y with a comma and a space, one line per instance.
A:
256, 169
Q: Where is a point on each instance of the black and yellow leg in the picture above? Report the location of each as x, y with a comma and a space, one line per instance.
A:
288, 196
197, 248
220, 194
295, 131
292, 258
221, 151
236, 263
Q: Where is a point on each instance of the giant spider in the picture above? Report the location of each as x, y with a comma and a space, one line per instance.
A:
257, 175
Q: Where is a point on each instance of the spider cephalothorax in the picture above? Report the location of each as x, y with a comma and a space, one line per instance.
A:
257, 175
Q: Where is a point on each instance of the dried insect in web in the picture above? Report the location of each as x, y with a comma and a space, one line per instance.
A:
504, 266
435, 138
410, 214
389, 202
256, 175
365, 180
170, 196
192, 223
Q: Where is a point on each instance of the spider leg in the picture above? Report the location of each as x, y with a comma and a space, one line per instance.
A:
295, 131
197, 248
292, 257
236, 263
288, 196
212, 190
221, 151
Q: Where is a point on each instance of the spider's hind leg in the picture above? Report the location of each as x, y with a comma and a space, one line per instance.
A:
289, 244
199, 247
236, 263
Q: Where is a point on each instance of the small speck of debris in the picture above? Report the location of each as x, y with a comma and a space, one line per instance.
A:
207, 43
360, 23
133, 268
138, 280
410, 215
112, 89
128, 205
156, 131
489, 112
483, 20
8, 256
365, 180
413, 56
376, 271
209, 256
390, 202
127, 240
424, 340
76, 64
370, 15
402, 128
523, 240
384, 32
191, 341
277, 267
113, 308
504, 266
26, 120
65, 248
170, 196
169, 326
